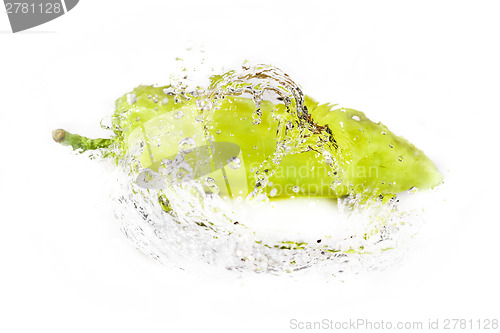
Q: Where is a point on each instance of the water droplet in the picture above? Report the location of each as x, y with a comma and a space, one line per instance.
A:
259, 199
413, 190
184, 171
296, 189
390, 145
203, 104
234, 162
186, 144
214, 189
209, 181
262, 182
178, 115
384, 133
273, 192
131, 98
328, 158
400, 158
106, 122
356, 118
218, 131
256, 117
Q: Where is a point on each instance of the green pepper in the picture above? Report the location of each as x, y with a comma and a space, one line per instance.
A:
279, 149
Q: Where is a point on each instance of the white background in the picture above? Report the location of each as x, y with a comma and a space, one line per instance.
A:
427, 69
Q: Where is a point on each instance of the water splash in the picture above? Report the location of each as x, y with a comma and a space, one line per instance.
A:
296, 130
189, 224
201, 228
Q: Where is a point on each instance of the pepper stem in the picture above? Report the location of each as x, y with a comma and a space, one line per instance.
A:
79, 142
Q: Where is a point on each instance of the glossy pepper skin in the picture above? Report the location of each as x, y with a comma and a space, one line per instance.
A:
372, 161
